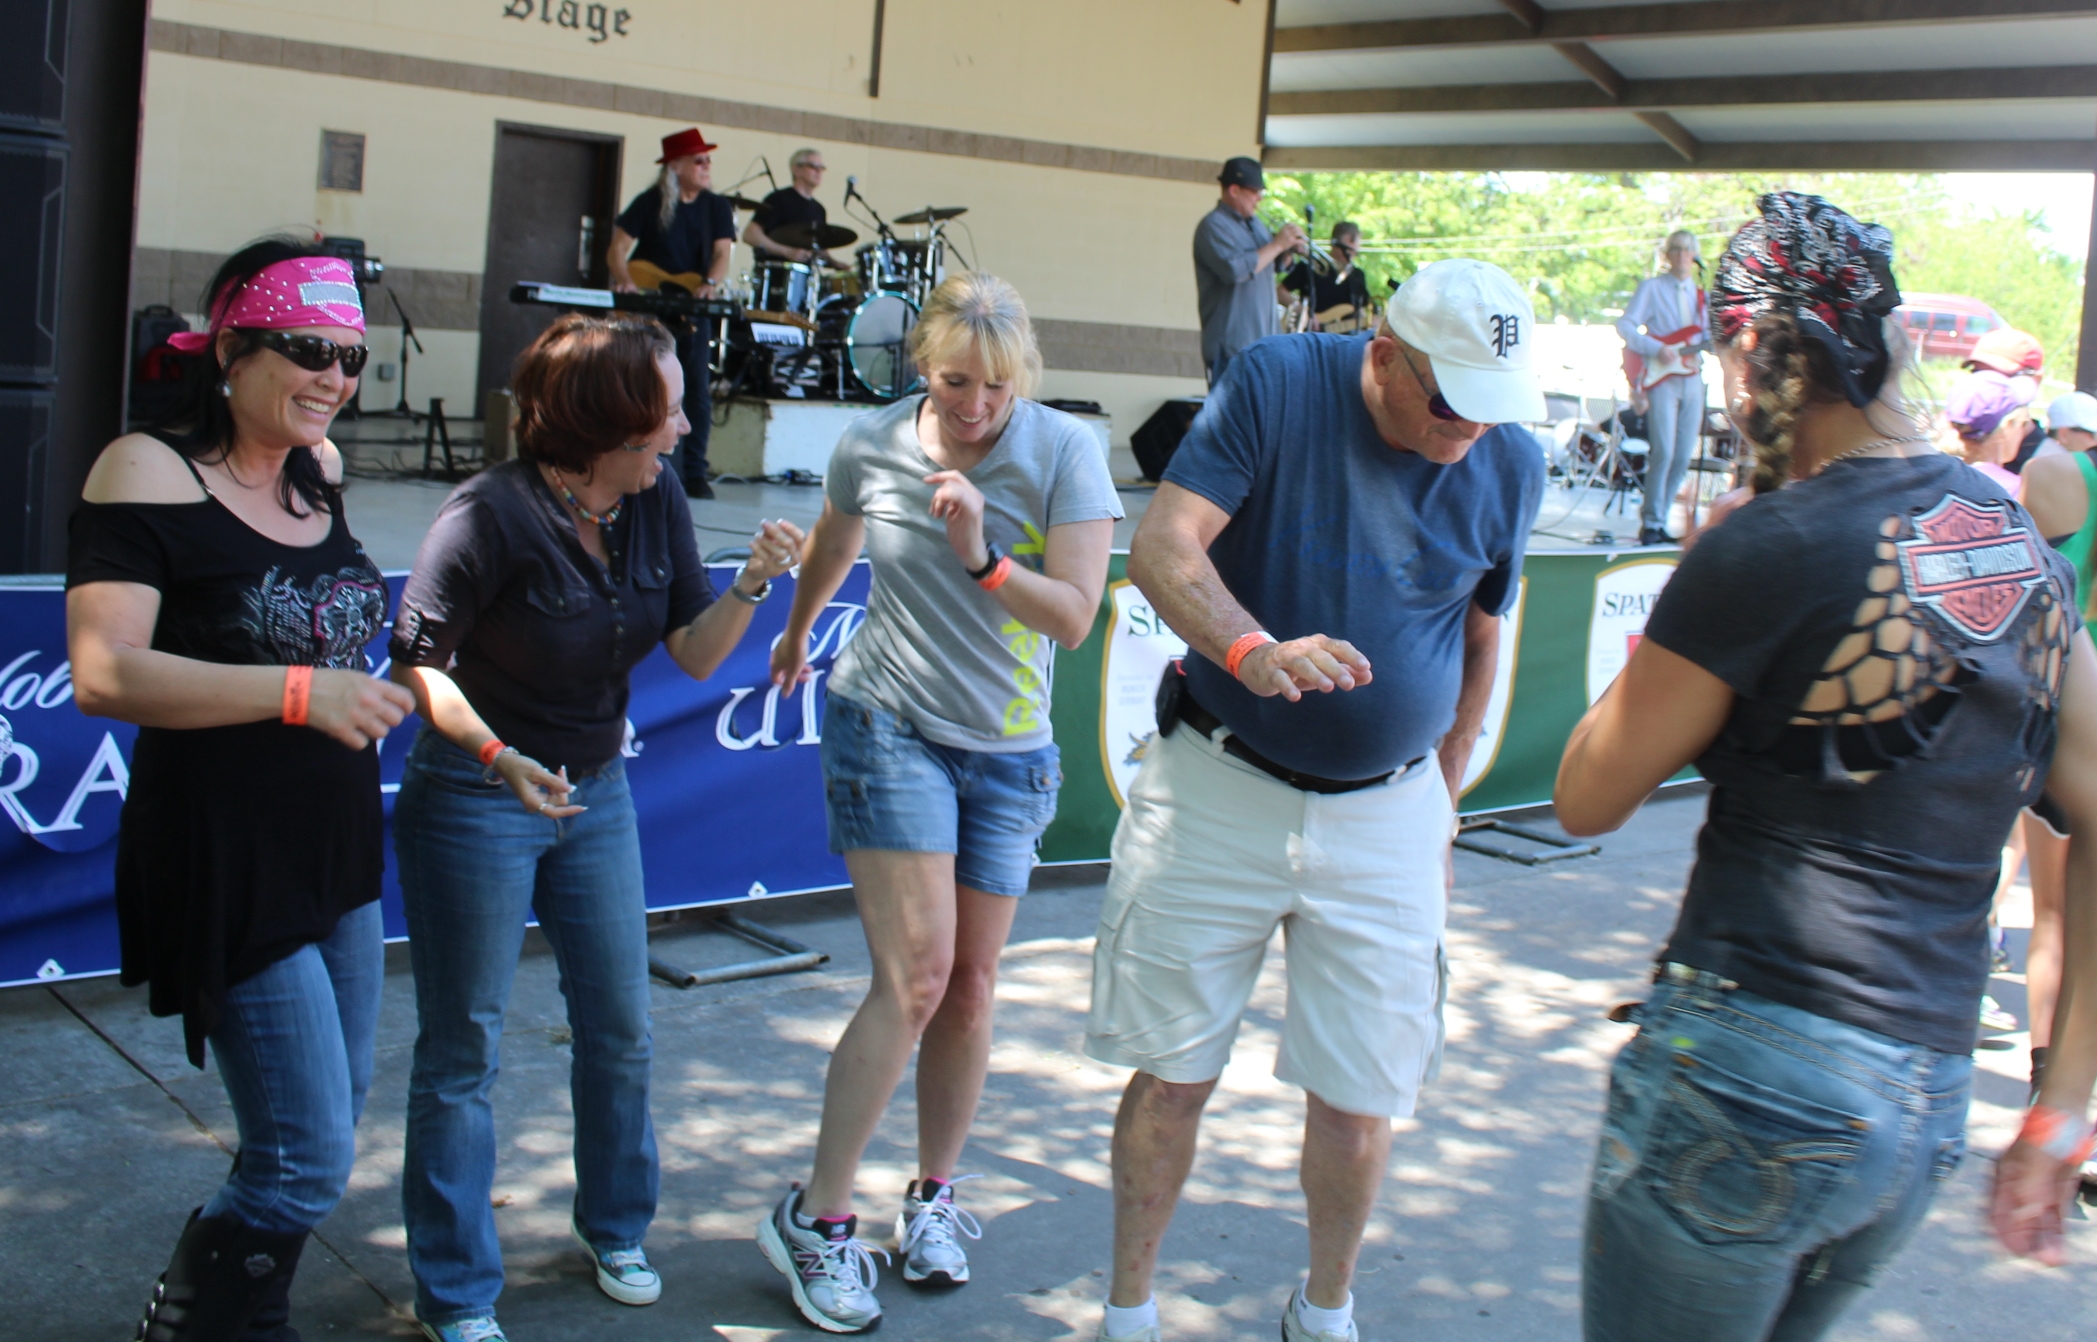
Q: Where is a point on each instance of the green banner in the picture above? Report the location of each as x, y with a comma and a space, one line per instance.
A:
1575, 624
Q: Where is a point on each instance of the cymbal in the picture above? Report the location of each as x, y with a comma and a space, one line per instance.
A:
742, 202
819, 237
932, 214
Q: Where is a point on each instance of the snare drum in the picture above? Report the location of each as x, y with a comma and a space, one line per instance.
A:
880, 268
784, 286
877, 345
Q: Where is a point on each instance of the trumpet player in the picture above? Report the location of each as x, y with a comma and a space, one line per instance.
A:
1234, 264
1333, 286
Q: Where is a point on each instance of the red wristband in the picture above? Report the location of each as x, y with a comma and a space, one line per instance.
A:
995, 579
489, 750
2060, 1134
1245, 644
298, 694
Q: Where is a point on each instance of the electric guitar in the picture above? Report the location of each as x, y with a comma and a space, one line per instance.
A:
1346, 319
649, 277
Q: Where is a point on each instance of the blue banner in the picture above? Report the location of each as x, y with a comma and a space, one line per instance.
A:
726, 780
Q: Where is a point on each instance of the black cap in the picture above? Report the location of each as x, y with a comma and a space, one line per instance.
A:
1243, 172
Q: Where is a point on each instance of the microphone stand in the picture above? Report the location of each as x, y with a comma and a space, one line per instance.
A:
407, 338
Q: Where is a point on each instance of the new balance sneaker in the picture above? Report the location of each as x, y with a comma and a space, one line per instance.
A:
481, 1328
622, 1274
831, 1272
1294, 1329
925, 1228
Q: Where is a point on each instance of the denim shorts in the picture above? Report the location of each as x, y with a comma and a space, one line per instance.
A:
886, 787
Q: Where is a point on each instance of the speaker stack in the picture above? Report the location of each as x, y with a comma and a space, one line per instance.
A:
33, 160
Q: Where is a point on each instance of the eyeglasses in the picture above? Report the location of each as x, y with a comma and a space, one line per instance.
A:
1437, 405
316, 355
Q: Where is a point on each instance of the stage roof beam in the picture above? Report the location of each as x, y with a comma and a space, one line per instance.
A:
1691, 19
2043, 81
1711, 156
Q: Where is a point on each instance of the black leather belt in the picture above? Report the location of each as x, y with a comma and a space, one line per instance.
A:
1208, 724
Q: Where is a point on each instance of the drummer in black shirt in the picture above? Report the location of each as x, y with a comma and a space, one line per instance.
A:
794, 204
690, 233
1346, 285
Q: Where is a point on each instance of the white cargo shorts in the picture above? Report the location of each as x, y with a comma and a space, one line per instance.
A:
1209, 856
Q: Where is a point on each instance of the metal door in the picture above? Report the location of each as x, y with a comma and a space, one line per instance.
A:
549, 217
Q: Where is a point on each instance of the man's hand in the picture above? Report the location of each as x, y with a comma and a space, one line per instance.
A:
1293, 238
623, 284
1313, 663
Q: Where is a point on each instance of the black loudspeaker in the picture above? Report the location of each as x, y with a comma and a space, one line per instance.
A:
25, 455
32, 215
33, 65
1160, 435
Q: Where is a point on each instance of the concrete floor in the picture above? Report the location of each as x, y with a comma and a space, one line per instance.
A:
107, 1138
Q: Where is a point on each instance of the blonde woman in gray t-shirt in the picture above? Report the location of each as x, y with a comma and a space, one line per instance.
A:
988, 518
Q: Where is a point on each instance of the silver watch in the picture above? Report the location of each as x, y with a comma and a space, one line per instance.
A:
735, 589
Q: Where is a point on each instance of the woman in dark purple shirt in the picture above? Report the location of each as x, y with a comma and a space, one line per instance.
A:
543, 582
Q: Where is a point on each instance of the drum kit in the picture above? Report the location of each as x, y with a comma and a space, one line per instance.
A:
828, 328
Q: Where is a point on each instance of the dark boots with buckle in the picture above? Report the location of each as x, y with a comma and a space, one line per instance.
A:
225, 1281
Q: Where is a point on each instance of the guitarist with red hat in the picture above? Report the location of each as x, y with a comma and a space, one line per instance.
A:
682, 228
1664, 339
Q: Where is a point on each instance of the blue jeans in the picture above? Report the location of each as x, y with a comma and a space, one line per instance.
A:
887, 788
1674, 421
1759, 1166
473, 864
294, 1050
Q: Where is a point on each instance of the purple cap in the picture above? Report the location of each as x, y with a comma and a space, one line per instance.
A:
1981, 401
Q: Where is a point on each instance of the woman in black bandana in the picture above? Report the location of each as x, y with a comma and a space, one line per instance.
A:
1876, 662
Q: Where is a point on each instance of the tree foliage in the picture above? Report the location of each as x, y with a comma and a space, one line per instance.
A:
1581, 242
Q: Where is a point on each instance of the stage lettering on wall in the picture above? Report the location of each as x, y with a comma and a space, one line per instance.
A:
599, 21
1624, 598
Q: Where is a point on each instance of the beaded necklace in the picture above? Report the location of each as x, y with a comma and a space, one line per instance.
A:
605, 519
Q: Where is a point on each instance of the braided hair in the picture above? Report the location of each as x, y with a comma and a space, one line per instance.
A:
1816, 287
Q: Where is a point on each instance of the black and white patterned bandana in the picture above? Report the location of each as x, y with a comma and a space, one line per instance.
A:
1810, 258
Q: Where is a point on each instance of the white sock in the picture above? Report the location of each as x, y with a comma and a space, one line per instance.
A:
1324, 1320
1128, 1322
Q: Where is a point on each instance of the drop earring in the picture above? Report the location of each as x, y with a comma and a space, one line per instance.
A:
225, 388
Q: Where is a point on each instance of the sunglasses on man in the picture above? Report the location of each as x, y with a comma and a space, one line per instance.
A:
316, 355
1437, 405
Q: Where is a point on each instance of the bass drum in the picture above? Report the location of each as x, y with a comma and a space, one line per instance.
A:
877, 347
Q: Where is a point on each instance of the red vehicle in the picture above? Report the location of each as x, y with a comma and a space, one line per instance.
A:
1946, 326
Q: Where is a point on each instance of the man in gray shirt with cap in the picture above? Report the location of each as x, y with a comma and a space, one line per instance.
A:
1234, 258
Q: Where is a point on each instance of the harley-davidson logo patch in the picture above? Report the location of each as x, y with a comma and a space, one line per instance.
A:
1972, 564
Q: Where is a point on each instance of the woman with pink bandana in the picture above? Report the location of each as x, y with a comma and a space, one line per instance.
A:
216, 597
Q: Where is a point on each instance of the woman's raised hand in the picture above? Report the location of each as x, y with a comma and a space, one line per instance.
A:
959, 504
775, 549
354, 708
538, 790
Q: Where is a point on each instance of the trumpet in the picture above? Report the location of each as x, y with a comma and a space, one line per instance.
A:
1319, 259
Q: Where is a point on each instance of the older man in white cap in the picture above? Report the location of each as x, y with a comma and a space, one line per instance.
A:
1336, 539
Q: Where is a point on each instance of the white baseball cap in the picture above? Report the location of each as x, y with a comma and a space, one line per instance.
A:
1475, 326
2076, 410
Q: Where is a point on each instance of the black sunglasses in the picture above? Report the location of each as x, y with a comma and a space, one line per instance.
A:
316, 355
1436, 405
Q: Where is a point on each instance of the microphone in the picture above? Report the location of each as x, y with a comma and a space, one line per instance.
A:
851, 187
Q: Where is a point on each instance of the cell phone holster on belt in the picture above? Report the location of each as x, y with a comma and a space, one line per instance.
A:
1171, 686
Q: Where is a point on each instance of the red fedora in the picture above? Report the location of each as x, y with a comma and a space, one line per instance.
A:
685, 142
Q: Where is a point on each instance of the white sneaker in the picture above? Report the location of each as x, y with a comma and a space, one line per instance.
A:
1148, 1333
1294, 1329
1993, 1017
832, 1276
622, 1274
925, 1236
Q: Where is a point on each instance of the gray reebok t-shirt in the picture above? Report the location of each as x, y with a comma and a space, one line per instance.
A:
936, 648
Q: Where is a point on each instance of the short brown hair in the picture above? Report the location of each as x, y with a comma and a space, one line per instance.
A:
588, 386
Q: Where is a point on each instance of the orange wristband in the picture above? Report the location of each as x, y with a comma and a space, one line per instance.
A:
2060, 1134
1239, 650
298, 694
489, 750
995, 579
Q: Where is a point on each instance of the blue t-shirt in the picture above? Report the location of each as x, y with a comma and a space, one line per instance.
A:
1335, 532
